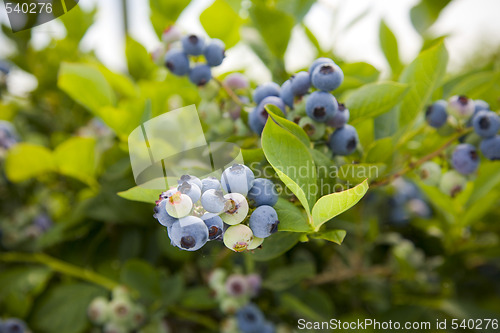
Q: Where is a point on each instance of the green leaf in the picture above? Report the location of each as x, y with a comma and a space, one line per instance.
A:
120, 83
290, 126
295, 305
374, 99
358, 172
198, 298
488, 179
26, 160
274, 26
139, 62
228, 21
389, 45
137, 193
275, 245
424, 14
291, 217
288, 276
380, 151
334, 204
53, 313
19, 287
423, 75
86, 85
76, 158
475, 86
335, 236
357, 74
288, 155
142, 277
165, 13
297, 8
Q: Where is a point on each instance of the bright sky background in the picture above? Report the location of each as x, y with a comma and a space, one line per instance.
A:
471, 24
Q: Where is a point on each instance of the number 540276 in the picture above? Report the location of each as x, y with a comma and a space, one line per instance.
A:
474, 324
28, 8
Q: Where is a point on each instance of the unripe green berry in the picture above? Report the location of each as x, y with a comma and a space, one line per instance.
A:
452, 183
430, 173
238, 237
236, 208
98, 311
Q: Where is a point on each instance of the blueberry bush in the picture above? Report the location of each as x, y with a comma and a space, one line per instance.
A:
354, 193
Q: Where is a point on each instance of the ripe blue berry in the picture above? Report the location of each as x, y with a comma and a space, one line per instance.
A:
452, 183
200, 75
321, 106
250, 318
193, 44
264, 90
161, 214
190, 233
191, 180
430, 173
491, 148
480, 105
264, 221
238, 237
465, 159
210, 183
214, 52
214, 224
461, 106
315, 130
340, 118
344, 140
13, 325
263, 192
255, 121
177, 62
318, 62
300, 83
236, 209
236, 81
237, 179
327, 77
273, 100
191, 190
286, 93
486, 123
213, 201
8, 135
436, 114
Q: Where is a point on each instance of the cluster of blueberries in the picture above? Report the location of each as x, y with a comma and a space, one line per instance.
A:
13, 325
465, 157
233, 293
118, 315
321, 107
177, 58
8, 135
197, 211
407, 202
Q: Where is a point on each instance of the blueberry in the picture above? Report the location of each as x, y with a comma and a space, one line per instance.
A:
98, 310
465, 159
264, 221
43, 222
161, 214
265, 90
430, 173
273, 100
250, 319
191, 180
13, 325
300, 83
419, 208
214, 52
237, 179
480, 105
255, 121
263, 192
340, 118
193, 45
321, 106
171, 34
210, 183
190, 233
255, 243
191, 190
254, 280
344, 140
4, 67
398, 214
178, 205
236, 81
436, 114
236, 209
213, 201
491, 148
8, 135
461, 106
452, 183
138, 316
286, 93
327, 77
267, 328
319, 61
238, 237
200, 75
120, 311
486, 123
177, 62
214, 224
314, 129
237, 285
120, 292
